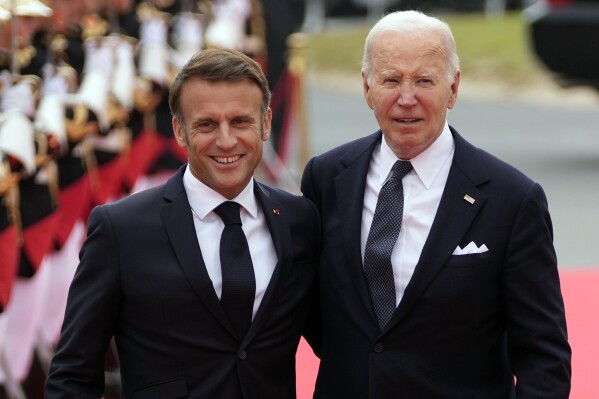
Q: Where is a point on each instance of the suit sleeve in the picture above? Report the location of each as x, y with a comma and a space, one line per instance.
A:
307, 186
312, 331
77, 370
538, 348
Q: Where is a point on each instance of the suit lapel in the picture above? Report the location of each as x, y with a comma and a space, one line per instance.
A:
280, 232
454, 216
178, 221
350, 185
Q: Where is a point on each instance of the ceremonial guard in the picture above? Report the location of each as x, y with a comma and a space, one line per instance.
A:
8, 193
33, 199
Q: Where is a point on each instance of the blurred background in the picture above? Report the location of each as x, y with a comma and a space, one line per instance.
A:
528, 94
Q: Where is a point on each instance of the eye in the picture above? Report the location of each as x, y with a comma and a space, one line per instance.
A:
241, 122
204, 126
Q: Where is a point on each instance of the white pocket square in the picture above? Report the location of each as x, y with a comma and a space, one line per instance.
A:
470, 249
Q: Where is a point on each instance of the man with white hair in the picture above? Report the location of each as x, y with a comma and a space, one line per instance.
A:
438, 276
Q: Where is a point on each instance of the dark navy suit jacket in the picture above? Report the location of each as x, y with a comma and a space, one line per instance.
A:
142, 279
467, 324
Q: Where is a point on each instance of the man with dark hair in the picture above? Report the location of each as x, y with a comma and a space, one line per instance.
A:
190, 320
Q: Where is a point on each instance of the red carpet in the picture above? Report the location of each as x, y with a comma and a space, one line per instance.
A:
307, 366
581, 295
580, 288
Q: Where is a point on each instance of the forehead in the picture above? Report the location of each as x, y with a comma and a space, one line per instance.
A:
397, 48
198, 87
199, 95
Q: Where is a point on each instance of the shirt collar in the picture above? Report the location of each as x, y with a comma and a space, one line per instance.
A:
427, 164
203, 199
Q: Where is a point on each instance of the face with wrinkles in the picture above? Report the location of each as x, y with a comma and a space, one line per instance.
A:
223, 128
409, 90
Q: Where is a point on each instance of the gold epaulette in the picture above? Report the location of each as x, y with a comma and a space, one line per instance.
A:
149, 11
162, 4
80, 124
93, 26
25, 55
59, 44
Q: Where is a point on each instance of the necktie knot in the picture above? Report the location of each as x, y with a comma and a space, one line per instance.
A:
400, 169
229, 213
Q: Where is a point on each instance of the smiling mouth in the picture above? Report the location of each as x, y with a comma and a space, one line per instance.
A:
227, 160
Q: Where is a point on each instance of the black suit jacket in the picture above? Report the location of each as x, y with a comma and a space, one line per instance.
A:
466, 325
142, 279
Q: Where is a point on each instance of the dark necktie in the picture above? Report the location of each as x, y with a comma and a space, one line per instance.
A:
239, 283
383, 234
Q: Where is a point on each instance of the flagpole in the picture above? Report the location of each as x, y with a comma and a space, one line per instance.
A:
297, 43
14, 66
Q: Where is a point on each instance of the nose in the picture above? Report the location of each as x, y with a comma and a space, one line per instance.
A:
226, 138
407, 95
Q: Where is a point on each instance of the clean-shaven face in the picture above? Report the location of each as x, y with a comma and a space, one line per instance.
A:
224, 132
409, 90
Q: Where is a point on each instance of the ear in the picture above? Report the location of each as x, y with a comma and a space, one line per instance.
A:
179, 133
366, 88
267, 124
454, 90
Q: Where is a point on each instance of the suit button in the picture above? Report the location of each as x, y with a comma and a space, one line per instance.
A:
378, 347
242, 355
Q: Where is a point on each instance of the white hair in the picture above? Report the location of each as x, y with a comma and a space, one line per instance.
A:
412, 22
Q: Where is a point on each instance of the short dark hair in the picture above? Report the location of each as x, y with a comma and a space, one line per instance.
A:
218, 65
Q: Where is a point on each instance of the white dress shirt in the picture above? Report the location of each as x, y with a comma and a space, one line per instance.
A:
209, 228
423, 187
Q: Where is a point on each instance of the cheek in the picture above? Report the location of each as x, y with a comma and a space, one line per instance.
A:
200, 143
378, 104
434, 103
386, 100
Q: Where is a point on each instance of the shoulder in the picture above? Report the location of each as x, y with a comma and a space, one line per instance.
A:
297, 208
509, 191
289, 200
479, 165
298, 213
349, 150
505, 175
143, 203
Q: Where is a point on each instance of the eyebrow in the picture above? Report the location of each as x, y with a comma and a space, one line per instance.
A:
388, 74
392, 74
